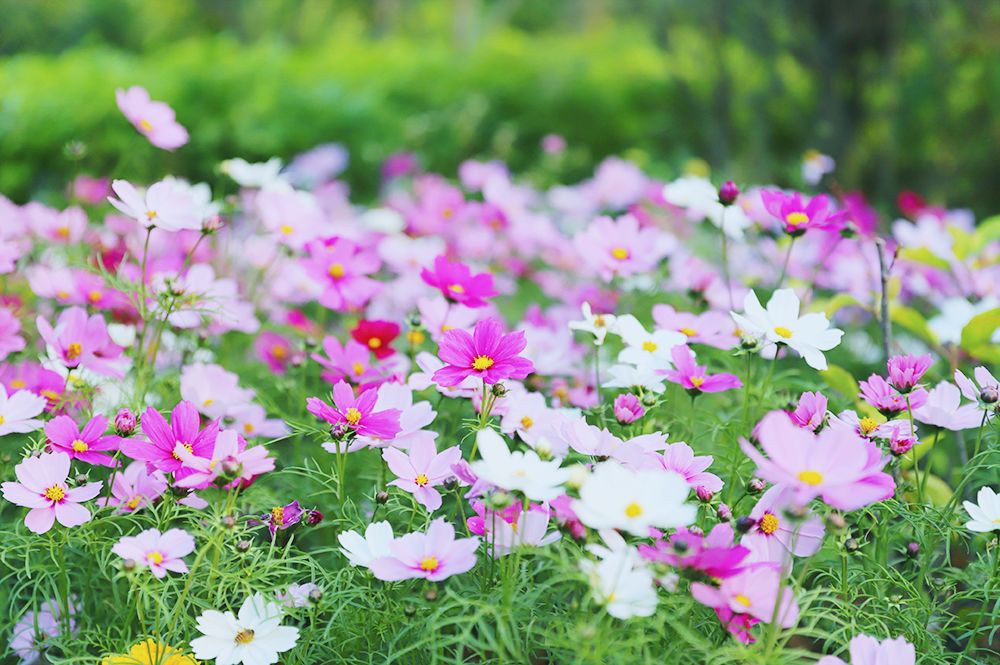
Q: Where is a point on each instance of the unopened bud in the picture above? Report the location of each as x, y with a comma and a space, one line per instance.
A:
382, 497
744, 524
724, 512
228, 521
128, 565
316, 595
431, 594
80, 479
451, 483
124, 422
649, 399
852, 545
755, 486
313, 517
836, 521
704, 494
212, 224
749, 343
244, 545
409, 610
989, 395
912, 549
728, 193
696, 530
231, 467
499, 390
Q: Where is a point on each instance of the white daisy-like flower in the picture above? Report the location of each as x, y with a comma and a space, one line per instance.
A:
623, 375
598, 325
254, 636
524, 472
18, 411
986, 515
362, 550
780, 323
644, 349
700, 199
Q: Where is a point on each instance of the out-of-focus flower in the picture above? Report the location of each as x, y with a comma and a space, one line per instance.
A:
154, 120
164, 205
944, 409
815, 165
692, 376
458, 284
18, 411
866, 650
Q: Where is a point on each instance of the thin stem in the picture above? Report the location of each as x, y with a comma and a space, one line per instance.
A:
986, 601
784, 266
725, 257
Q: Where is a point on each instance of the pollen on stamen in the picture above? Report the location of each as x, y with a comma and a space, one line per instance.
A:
482, 363
429, 564
353, 416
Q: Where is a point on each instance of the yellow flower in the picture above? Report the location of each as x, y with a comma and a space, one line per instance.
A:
150, 652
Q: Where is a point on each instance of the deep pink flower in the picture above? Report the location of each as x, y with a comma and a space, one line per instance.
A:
796, 216
83, 342
487, 354
276, 351
837, 465
716, 555
434, 555
356, 413
754, 591
906, 371
458, 284
693, 377
628, 408
880, 394
90, 190
160, 552
282, 517
231, 458
811, 411
154, 120
33, 378
162, 450
342, 268
42, 487
774, 535
421, 469
377, 336
83, 444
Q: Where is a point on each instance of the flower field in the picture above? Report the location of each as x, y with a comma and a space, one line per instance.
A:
485, 418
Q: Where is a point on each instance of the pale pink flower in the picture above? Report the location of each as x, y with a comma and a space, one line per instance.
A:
422, 469
154, 120
160, 552
41, 486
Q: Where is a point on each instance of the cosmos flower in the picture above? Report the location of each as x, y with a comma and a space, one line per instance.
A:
774, 535
692, 376
10, 340
161, 450
363, 550
488, 354
517, 471
944, 409
434, 555
628, 408
82, 341
254, 636
985, 513
18, 411
906, 371
598, 325
164, 205
755, 592
135, 488
613, 497
794, 213
154, 120
422, 469
87, 444
160, 552
458, 284
866, 650
356, 414
712, 328
780, 323
41, 486
810, 413
377, 336
151, 652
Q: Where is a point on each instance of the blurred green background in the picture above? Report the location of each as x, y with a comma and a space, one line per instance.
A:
905, 94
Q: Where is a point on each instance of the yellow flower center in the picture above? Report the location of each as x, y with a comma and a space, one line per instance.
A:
415, 337
74, 350
768, 524
208, 402
482, 363
867, 425
690, 332
62, 295
94, 296
133, 502
80, 446
421, 480
286, 230
248, 428
445, 327
151, 215
430, 564
527, 422
447, 213
186, 446
18, 384
796, 218
696, 381
811, 477
279, 351
336, 270
278, 515
374, 343
62, 232
649, 345
620, 253
358, 368
2, 420
742, 600
145, 125
54, 493
353, 416
781, 331
633, 510
154, 558
456, 288
245, 636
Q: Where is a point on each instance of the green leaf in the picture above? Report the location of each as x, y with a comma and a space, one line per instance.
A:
923, 256
987, 231
913, 321
980, 329
841, 380
831, 306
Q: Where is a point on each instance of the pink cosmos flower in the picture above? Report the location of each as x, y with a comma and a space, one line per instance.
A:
944, 409
276, 351
906, 371
89, 189
160, 552
796, 216
82, 341
628, 409
716, 555
487, 354
164, 205
693, 377
42, 487
434, 555
84, 444
166, 441
680, 458
342, 268
774, 536
811, 411
711, 328
458, 284
17, 412
880, 394
356, 414
438, 316
34, 380
985, 390
422, 469
350, 361
30, 635
842, 468
413, 417
230, 456
58, 226
619, 248
754, 592
505, 531
867, 650
10, 340
154, 120
135, 488
252, 422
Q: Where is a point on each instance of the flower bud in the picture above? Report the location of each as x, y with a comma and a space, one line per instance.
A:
704, 494
499, 390
852, 545
724, 512
728, 193
912, 549
836, 521
451, 483
431, 594
231, 468
80, 479
749, 343
128, 565
382, 497
755, 486
409, 610
124, 422
989, 395
696, 530
316, 595
228, 521
313, 517
578, 475
745, 523
649, 399
212, 224
244, 545
628, 409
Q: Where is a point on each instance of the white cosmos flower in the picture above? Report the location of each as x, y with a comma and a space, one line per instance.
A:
598, 325
260, 174
630, 376
986, 515
614, 497
621, 584
700, 199
648, 350
362, 550
518, 471
780, 323
253, 637
17, 412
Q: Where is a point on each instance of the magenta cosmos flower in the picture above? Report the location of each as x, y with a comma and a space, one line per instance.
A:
421, 469
879, 393
80, 341
486, 354
356, 413
457, 283
906, 371
42, 487
794, 213
693, 377
810, 413
184, 432
628, 409
84, 444
154, 120
434, 555
837, 465
342, 269
160, 552
716, 555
